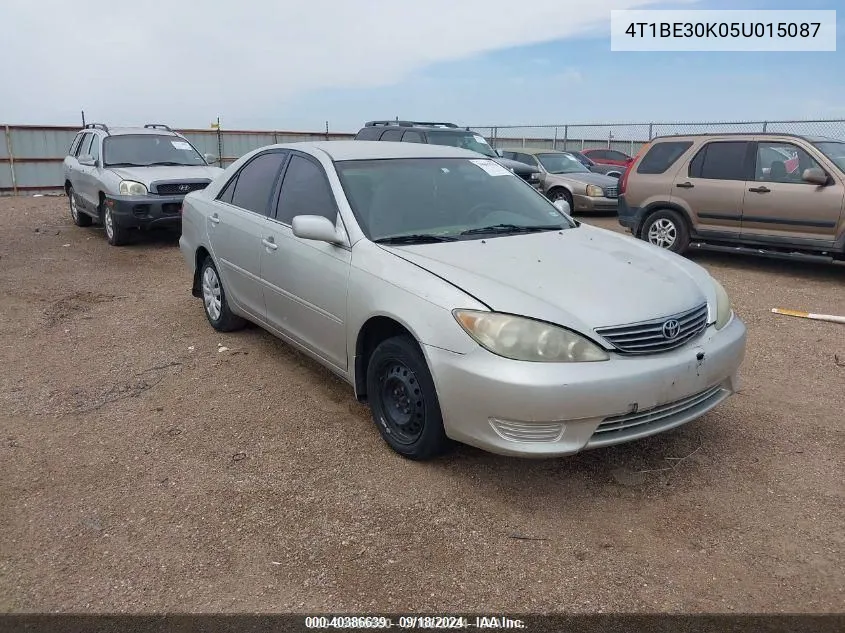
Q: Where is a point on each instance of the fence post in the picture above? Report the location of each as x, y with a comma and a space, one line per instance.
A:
650, 130
11, 154
554, 140
219, 143
565, 136
765, 123
495, 133
523, 141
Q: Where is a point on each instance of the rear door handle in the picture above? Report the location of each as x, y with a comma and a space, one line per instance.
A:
214, 219
685, 185
269, 243
763, 189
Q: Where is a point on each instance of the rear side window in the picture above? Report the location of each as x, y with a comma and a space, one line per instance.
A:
305, 191
392, 135
721, 160
661, 156
368, 134
256, 182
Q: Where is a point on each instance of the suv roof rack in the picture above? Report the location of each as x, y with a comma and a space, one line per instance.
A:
97, 126
411, 124
158, 126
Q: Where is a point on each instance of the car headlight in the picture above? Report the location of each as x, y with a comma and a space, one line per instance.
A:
534, 176
519, 338
132, 188
723, 306
595, 192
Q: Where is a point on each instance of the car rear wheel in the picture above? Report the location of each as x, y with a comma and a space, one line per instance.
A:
80, 218
115, 234
403, 400
214, 300
666, 229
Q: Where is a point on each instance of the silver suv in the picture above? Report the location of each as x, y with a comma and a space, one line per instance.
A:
132, 178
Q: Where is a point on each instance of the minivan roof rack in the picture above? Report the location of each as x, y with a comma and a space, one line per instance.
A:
410, 124
97, 126
158, 126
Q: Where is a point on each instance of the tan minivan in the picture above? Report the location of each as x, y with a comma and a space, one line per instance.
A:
775, 194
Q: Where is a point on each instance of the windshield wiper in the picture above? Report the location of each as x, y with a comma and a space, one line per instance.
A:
512, 228
168, 163
125, 165
415, 238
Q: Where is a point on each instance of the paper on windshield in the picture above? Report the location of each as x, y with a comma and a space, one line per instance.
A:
182, 145
480, 139
491, 167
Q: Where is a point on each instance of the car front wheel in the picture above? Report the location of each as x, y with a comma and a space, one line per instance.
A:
403, 400
115, 234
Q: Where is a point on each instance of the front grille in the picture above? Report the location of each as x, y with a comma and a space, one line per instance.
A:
611, 192
650, 337
179, 188
665, 416
527, 431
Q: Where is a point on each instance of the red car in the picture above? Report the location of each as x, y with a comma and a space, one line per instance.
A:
608, 157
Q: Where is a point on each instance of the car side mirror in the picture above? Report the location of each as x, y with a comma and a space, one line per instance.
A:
815, 176
316, 227
210, 158
562, 206
87, 160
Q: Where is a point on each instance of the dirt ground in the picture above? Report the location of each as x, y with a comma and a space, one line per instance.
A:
142, 470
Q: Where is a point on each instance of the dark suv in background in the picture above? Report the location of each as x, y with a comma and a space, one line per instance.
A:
434, 133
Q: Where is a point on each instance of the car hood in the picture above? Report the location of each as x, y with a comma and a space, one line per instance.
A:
583, 278
584, 178
147, 175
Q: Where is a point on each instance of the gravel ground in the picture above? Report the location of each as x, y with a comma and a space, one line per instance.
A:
142, 470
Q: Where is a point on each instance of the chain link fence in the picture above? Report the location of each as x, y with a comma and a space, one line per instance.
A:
629, 137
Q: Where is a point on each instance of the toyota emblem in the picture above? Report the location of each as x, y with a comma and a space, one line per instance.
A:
671, 329
184, 187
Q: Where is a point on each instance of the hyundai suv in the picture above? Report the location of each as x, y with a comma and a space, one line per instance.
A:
435, 133
132, 178
780, 195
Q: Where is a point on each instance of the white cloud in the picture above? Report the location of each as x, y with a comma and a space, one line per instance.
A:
186, 62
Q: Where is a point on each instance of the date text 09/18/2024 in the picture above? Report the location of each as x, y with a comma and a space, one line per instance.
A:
413, 622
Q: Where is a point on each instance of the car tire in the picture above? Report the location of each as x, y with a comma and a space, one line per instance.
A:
214, 301
559, 193
115, 234
80, 218
404, 401
666, 229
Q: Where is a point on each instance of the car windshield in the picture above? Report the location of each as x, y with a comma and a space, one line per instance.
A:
144, 150
561, 164
442, 199
835, 151
469, 141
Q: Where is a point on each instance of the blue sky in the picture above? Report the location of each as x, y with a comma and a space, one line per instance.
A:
285, 64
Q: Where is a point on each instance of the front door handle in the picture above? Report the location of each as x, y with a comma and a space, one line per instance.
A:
685, 185
762, 189
269, 243
214, 219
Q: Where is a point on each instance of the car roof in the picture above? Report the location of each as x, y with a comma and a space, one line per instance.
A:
535, 150
373, 150
811, 139
123, 131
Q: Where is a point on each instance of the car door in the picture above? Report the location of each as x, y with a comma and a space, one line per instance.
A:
305, 281
236, 229
77, 173
711, 187
780, 205
92, 174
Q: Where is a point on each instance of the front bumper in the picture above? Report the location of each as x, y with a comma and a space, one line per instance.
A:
146, 211
547, 410
596, 205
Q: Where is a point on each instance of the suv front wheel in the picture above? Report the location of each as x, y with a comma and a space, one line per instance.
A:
115, 234
666, 229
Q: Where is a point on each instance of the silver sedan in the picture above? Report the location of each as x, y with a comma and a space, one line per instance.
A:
458, 301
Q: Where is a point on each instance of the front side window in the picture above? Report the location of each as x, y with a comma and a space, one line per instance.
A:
256, 181
412, 137
442, 199
392, 135
145, 150
782, 162
74, 147
468, 140
305, 191
720, 160
94, 149
614, 155
557, 163
368, 134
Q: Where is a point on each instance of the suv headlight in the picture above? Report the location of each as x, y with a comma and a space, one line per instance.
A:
723, 306
132, 188
519, 338
594, 191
